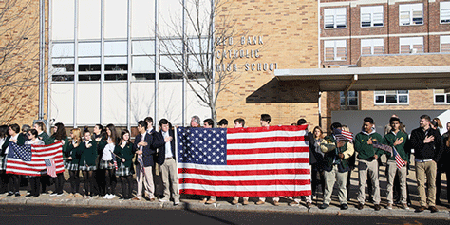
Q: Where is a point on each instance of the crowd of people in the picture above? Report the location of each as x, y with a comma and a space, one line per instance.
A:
104, 156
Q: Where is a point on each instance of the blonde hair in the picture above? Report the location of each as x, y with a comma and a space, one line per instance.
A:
438, 122
320, 129
76, 134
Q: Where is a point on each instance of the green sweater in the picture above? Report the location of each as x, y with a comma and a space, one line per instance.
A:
402, 149
74, 152
366, 151
126, 153
44, 136
88, 155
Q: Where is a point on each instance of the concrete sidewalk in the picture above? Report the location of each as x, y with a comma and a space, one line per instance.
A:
192, 202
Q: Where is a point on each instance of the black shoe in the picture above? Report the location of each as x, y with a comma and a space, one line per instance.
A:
10, 194
420, 209
360, 206
344, 207
438, 202
17, 194
433, 209
323, 206
377, 207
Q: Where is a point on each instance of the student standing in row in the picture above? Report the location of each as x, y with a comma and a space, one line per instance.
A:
107, 163
59, 134
34, 180
87, 162
73, 154
124, 152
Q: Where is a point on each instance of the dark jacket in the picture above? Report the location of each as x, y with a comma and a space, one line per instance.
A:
162, 149
88, 155
74, 152
366, 151
148, 151
127, 153
312, 153
328, 146
44, 136
431, 150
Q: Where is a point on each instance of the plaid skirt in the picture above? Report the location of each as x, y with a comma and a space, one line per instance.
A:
124, 171
72, 166
88, 168
104, 164
3, 161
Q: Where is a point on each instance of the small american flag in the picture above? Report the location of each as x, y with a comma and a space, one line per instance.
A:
51, 169
398, 159
342, 135
114, 160
253, 161
141, 163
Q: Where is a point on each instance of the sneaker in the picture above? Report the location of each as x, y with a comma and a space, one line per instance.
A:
234, 202
245, 202
276, 203
17, 194
323, 206
176, 203
106, 196
136, 198
389, 206
163, 199
10, 194
111, 196
60, 195
420, 209
405, 206
203, 201
54, 194
77, 195
211, 201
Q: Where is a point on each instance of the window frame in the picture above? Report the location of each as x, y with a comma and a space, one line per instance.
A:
446, 98
397, 97
372, 45
371, 11
411, 45
410, 11
447, 7
335, 46
351, 107
334, 13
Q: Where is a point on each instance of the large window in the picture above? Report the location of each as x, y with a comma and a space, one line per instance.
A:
336, 50
441, 97
336, 18
445, 12
372, 16
352, 100
411, 14
411, 45
372, 46
391, 97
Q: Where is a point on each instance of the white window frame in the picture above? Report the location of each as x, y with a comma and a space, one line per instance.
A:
411, 41
334, 17
407, 10
335, 44
446, 97
446, 41
372, 43
375, 94
445, 12
373, 14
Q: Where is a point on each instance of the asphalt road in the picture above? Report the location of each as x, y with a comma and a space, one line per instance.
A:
20, 214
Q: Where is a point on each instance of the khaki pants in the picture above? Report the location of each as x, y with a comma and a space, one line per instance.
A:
330, 179
147, 178
368, 168
169, 175
392, 169
426, 170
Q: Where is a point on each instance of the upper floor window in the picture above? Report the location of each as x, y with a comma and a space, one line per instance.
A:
445, 12
335, 50
411, 14
411, 45
445, 43
372, 46
335, 18
391, 97
352, 100
372, 16
440, 97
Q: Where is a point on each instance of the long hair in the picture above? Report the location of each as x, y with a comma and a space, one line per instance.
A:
113, 136
60, 133
4, 131
102, 131
318, 128
76, 134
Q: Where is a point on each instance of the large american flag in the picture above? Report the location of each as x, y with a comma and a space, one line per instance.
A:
29, 160
250, 162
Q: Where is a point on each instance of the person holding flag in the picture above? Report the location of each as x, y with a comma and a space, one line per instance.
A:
396, 161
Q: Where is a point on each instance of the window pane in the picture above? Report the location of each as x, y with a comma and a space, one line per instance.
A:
62, 78
115, 18
170, 64
62, 65
89, 21
143, 47
63, 18
439, 98
63, 50
403, 91
143, 63
391, 98
143, 76
89, 77
448, 98
115, 77
143, 18
89, 49
116, 63
115, 48
379, 99
89, 64
352, 94
402, 99
353, 101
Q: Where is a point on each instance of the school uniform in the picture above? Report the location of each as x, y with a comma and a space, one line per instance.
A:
59, 180
34, 180
73, 166
106, 161
126, 169
88, 156
14, 180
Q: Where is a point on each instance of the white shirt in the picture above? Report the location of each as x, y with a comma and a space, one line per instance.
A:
107, 151
36, 142
12, 138
167, 146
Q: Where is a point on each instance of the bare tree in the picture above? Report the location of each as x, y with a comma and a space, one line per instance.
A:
19, 59
206, 58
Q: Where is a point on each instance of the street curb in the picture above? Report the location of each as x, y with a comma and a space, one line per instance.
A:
193, 205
